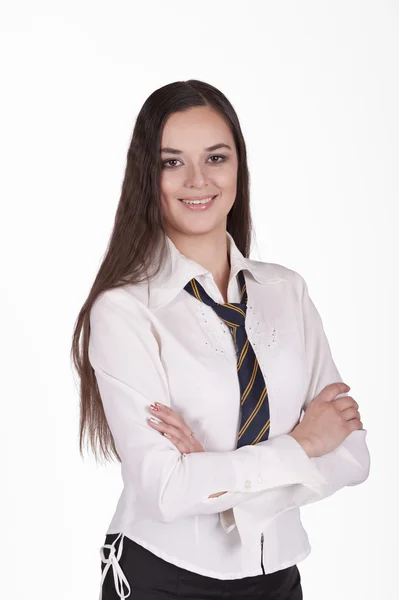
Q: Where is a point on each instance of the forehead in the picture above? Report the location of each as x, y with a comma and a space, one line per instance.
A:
199, 126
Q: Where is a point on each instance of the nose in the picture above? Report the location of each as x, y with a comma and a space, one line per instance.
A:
195, 177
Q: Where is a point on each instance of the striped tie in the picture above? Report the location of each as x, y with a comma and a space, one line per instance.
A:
255, 415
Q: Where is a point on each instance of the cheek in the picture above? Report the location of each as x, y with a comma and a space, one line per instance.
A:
227, 183
170, 183
227, 177
169, 192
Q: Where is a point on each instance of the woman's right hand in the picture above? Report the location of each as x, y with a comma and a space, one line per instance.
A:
327, 421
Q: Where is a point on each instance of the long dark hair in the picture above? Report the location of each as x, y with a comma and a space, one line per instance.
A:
138, 231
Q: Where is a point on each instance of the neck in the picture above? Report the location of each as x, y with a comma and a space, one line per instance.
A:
210, 250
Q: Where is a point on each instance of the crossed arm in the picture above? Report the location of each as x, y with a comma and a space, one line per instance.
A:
124, 355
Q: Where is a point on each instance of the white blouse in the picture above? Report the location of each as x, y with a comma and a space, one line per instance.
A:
155, 342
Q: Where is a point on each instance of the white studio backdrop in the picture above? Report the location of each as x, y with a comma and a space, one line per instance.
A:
315, 85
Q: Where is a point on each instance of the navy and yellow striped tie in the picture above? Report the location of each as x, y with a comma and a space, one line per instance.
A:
255, 414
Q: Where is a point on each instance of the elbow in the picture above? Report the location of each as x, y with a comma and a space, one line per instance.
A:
165, 512
151, 505
362, 472
356, 454
161, 496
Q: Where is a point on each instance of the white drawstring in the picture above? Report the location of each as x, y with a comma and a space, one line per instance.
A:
112, 560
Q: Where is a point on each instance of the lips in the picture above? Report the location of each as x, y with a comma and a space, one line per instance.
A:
199, 206
197, 198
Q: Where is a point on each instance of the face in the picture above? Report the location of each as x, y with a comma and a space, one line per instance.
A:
193, 167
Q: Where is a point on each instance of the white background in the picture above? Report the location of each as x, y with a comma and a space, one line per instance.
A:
315, 85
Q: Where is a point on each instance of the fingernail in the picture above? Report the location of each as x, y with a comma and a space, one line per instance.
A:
154, 420
167, 435
159, 404
154, 407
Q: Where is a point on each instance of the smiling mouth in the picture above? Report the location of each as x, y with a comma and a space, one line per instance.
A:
203, 201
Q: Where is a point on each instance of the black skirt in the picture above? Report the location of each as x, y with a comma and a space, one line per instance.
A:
128, 567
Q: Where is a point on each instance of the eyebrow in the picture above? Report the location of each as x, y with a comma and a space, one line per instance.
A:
210, 149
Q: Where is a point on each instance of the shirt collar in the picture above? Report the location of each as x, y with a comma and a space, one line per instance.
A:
178, 270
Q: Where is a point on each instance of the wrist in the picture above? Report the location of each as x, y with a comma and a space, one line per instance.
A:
217, 495
305, 443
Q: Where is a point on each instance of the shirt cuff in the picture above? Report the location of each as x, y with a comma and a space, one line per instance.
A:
285, 463
227, 520
279, 461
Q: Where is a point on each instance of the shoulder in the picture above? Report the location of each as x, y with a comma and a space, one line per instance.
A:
125, 301
268, 272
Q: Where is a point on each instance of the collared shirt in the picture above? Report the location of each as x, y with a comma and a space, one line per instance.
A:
153, 341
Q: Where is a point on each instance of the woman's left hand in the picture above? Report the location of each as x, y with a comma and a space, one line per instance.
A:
174, 427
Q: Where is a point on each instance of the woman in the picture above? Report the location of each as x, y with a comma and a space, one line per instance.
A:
225, 353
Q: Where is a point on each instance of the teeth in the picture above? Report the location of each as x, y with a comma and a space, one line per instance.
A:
204, 201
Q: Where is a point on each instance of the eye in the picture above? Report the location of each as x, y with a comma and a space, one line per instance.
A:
166, 163
218, 156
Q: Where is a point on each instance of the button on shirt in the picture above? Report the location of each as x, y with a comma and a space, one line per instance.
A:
153, 341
